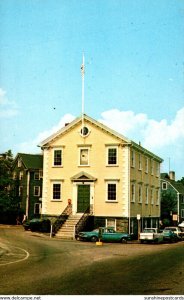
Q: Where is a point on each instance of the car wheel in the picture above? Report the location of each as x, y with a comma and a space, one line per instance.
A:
94, 239
123, 241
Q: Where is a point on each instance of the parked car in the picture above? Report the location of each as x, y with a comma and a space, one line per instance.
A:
41, 225
176, 230
169, 236
105, 234
151, 235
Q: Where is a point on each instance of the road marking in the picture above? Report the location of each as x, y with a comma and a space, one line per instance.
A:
16, 261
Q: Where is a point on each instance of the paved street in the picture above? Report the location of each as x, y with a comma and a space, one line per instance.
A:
35, 264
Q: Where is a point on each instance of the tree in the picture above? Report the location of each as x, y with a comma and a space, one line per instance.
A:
168, 205
181, 180
8, 202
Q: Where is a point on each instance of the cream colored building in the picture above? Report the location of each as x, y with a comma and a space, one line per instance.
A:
103, 173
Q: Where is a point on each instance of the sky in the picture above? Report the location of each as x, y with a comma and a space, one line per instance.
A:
134, 71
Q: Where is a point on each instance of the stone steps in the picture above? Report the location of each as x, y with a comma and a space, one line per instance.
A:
67, 229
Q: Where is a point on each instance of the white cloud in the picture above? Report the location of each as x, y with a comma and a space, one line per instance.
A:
138, 127
31, 145
8, 108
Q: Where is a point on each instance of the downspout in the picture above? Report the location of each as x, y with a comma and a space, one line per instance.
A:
27, 194
178, 199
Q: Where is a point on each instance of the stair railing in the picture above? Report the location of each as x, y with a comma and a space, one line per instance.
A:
82, 222
62, 218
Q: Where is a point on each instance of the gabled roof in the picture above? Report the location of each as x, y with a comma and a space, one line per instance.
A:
103, 127
76, 122
177, 186
30, 161
83, 176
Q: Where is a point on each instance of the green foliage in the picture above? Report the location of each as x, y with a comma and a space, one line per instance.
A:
181, 180
8, 202
168, 203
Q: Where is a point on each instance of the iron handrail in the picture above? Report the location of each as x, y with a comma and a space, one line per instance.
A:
81, 223
62, 218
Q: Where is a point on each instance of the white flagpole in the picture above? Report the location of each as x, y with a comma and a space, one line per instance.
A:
82, 72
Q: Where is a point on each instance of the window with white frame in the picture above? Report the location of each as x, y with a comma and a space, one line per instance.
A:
157, 169
182, 213
140, 193
19, 163
40, 173
20, 190
56, 191
14, 175
36, 191
164, 185
57, 157
36, 176
146, 195
37, 208
111, 191
157, 196
132, 192
152, 167
146, 164
110, 223
21, 175
140, 161
84, 157
112, 156
152, 196
132, 158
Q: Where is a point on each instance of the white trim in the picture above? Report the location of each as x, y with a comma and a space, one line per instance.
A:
53, 152
107, 156
36, 195
59, 182
79, 156
107, 184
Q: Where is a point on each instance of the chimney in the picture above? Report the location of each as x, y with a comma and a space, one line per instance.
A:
66, 124
172, 175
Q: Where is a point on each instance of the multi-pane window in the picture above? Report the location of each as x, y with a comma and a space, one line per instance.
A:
146, 164
133, 192
37, 208
146, 195
157, 196
164, 185
58, 157
56, 191
20, 191
157, 169
37, 191
21, 175
111, 192
152, 167
36, 176
140, 193
140, 162
132, 158
152, 196
112, 156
